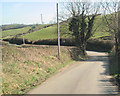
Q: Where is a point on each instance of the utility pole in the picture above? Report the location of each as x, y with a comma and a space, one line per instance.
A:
58, 34
118, 53
41, 19
23, 39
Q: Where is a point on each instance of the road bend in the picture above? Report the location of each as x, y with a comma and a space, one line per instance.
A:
83, 77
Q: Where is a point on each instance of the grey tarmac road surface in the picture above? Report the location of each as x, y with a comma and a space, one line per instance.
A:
83, 77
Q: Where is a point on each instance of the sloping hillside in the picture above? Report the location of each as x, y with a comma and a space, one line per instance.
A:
50, 32
13, 26
46, 33
13, 32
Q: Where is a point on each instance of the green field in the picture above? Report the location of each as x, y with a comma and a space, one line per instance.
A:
13, 32
101, 28
41, 26
99, 24
47, 33
13, 26
26, 66
51, 32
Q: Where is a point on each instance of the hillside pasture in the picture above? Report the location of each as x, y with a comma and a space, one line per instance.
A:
13, 32
46, 33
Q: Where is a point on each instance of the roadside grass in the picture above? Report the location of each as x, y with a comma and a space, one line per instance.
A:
46, 33
25, 67
113, 67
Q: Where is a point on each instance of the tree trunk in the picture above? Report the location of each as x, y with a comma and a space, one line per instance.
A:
81, 44
83, 48
116, 46
119, 53
119, 40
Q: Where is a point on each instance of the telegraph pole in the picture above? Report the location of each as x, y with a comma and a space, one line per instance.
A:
118, 37
23, 39
58, 34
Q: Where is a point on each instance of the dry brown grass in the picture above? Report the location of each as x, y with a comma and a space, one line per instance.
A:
27, 66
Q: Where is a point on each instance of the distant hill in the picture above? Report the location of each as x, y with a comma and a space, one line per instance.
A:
50, 31
13, 26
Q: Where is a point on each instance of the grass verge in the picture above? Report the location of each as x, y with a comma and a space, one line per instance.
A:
25, 67
114, 68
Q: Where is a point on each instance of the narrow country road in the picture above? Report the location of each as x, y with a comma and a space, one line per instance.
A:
84, 77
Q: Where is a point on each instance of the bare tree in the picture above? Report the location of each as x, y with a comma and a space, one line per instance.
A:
119, 36
111, 18
82, 17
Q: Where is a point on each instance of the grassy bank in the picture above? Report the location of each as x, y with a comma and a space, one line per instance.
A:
114, 62
25, 67
113, 67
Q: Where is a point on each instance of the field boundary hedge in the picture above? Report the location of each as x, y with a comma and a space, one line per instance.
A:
92, 44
